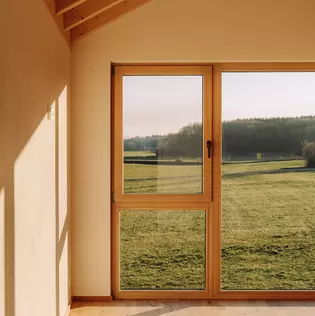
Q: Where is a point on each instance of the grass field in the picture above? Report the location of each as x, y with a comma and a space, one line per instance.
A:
138, 153
162, 179
172, 247
268, 229
268, 232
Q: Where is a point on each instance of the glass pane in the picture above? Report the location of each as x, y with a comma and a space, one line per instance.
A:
162, 250
268, 188
163, 134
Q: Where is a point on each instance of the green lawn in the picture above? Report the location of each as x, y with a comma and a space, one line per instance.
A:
268, 230
261, 166
162, 179
138, 153
162, 249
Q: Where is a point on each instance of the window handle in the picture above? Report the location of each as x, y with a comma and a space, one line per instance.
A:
209, 145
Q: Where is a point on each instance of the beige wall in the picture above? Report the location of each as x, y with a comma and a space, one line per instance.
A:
35, 73
164, 30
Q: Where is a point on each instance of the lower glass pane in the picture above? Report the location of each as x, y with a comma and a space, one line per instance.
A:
162, 250
268, 232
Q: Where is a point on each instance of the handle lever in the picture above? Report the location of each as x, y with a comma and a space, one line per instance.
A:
209, 144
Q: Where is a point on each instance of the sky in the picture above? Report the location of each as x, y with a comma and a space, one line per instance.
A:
163, 104
158, 105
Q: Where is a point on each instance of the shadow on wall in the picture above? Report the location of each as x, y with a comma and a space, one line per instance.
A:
34, 204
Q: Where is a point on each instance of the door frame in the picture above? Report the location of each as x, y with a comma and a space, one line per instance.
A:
121, 201
214, 290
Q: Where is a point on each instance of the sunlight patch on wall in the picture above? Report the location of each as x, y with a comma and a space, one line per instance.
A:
62, 150
62, 200
63, 266
34, 219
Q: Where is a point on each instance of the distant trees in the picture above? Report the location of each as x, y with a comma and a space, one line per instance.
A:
240, 137
275, 135
309, 154
187, 142
148, 143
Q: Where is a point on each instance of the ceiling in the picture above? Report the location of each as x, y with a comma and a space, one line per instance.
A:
78, 18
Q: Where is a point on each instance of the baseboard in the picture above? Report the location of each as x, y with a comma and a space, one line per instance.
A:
92, 298
69, 307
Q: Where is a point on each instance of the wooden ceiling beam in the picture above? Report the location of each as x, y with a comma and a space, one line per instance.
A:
63, 6
105, 17
86, 11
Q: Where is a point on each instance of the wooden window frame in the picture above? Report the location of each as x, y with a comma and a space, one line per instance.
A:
163, 294
214, 210
120, 71
183, 201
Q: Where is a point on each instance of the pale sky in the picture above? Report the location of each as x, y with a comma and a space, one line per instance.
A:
160, 104
163, 104
286, 94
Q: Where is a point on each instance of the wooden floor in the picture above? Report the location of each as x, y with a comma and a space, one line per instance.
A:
194, 308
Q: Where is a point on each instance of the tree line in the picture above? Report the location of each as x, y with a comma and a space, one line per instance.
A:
285, 136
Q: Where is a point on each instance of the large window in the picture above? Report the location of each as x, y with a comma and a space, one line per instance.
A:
213, 181
268, 181
162, 182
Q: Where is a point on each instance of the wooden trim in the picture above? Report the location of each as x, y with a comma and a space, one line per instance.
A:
114, 225
267, 67
120, 71
207, 131
86, 11
92, 298
106, 17
214, 209
161, 294
159, 70
117, 128
67, 312
162, 206
265, 295
232, 66
63, 6
156, 198
189, 202
217, 160
115, 264
217, 124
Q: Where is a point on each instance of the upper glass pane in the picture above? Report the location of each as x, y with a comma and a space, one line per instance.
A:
163, 134
268, 181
